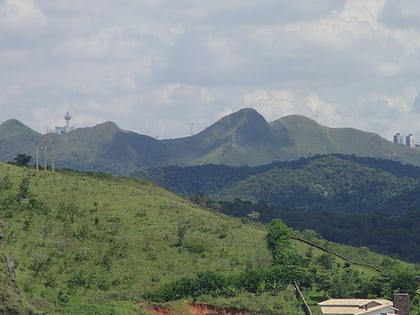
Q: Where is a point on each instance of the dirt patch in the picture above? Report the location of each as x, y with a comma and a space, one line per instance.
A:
195, 309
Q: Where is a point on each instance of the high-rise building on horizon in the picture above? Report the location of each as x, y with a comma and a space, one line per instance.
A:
408, 141
398, 138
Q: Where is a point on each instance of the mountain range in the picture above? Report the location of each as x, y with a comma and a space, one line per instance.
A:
241, 138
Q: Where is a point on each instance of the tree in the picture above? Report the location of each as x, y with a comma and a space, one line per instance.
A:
22, 159
278, 236
278, 242
325, 261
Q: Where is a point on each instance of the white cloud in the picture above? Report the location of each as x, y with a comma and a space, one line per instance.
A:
274, 104
157, 66
106, 44
12, 56
21, 15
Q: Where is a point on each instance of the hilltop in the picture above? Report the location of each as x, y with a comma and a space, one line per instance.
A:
241, 138
91, 243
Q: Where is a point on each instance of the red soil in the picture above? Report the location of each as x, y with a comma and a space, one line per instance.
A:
195, 309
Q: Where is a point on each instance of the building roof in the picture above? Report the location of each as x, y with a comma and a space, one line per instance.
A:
354, 306
354, 302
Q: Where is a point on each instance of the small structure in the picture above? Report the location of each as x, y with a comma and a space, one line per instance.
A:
65, 129
358, 307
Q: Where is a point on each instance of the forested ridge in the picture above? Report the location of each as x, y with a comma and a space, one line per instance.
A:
353, 200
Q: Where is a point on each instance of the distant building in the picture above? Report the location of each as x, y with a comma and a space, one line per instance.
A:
410, 141
65, 129
398, 138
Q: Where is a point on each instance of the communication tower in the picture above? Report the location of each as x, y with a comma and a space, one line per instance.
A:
67, 118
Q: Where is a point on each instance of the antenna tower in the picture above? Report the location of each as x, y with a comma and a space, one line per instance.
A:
191, 125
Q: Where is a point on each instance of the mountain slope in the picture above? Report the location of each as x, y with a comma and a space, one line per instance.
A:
338, 182
14, 128
345, 198
242, 138
97, 244
16, 138
311, 138
85, 244
104, 147
326, 183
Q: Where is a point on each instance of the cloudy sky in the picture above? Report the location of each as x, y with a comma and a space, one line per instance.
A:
169, 68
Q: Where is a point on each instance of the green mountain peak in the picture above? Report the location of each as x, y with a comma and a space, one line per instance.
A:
14, 128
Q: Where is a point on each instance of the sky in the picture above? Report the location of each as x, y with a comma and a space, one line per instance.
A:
170, 68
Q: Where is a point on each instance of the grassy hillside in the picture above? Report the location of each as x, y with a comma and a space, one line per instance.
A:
16, 138
97, 244
80, 240
14, 128
10, 301
311, 138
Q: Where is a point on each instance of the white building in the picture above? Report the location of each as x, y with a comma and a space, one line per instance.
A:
357, 307
398, 138
410, 141
64, 129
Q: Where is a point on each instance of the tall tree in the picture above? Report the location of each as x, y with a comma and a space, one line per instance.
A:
22, 159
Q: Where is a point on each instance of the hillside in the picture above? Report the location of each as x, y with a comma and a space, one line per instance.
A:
241, 138
14, 128
16, 138
344, 183
90, 244
85, 243
345, 198
325, 183
10, 300
310, 138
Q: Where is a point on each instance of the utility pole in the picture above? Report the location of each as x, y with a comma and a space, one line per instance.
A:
45, 156
37, 156
52, 165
